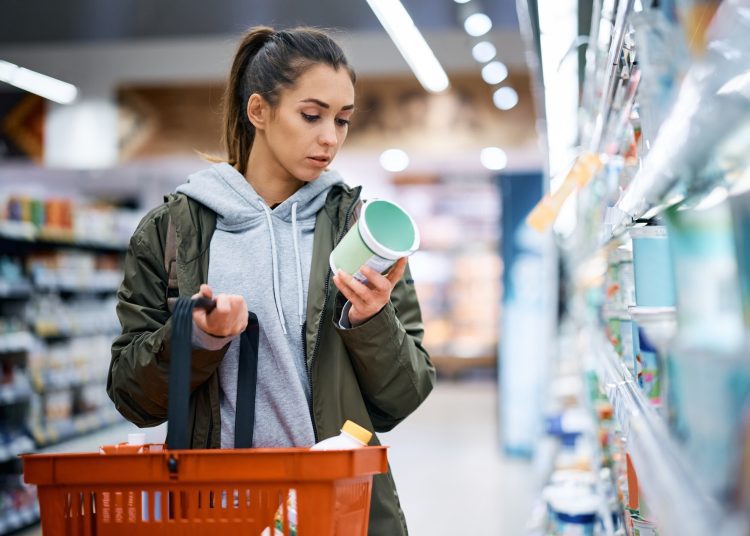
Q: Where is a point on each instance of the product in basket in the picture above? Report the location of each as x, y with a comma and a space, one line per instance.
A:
352, 436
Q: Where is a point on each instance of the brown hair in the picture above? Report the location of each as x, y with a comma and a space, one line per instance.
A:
267, 61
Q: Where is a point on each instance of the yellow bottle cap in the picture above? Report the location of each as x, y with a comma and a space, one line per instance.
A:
357, 432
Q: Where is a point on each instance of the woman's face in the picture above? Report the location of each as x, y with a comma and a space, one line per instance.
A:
310, 121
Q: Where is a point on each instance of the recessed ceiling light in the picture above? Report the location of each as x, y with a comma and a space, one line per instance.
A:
394, 160
493, 158
494, 72
483, 51
477, 24
505, 98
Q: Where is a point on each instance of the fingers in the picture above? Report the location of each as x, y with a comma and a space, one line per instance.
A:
223, 304
204, 291
229, 318
397, 272
354, 291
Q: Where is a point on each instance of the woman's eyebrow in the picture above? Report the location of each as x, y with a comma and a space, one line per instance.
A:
325, 104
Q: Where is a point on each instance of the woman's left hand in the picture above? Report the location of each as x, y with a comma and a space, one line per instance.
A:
367, 300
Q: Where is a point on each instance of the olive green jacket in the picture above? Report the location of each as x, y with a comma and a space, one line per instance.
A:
374, 374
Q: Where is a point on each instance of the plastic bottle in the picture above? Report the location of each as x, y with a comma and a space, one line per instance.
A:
352, 436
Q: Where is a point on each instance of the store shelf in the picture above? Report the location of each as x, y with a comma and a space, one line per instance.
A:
22, 236
53, 333
45, 381
13, 521
19, 341
679, 503
106, 435
19, 445
19, 391
59, 432
15, 290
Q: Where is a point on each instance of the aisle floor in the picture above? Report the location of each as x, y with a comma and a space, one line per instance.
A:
448, 466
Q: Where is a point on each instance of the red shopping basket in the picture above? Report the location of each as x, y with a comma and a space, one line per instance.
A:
177, 491
202, 492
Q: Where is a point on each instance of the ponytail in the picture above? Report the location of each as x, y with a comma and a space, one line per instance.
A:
239, 132
266, 61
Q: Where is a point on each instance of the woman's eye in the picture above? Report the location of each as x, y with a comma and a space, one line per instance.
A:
343, 122
310, 118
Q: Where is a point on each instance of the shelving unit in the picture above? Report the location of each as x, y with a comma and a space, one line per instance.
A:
663, 140
57, 321
663, 473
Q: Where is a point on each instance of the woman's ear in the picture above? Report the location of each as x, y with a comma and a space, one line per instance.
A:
257, 111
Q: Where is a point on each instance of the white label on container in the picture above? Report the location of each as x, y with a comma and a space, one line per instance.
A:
377, 263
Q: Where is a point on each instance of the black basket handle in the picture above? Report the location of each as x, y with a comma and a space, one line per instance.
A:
179, 376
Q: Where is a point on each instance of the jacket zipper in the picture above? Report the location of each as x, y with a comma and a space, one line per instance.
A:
322, 315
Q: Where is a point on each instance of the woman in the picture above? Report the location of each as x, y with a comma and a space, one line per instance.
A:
255, 233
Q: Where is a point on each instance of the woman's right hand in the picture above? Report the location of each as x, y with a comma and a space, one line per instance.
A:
228, 319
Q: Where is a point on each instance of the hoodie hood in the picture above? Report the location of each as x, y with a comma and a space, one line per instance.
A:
241, 211
239, 207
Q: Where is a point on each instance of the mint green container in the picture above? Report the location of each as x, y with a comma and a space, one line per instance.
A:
383, 234
652, 267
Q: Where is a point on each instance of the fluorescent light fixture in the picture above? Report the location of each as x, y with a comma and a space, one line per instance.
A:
462, 1
505, 98
40, 84
493, 158
483, 51
477, 24
494, 72
394, 160
410, 43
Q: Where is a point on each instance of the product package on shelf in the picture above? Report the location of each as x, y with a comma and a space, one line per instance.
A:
576, 458
711, 103
56, 218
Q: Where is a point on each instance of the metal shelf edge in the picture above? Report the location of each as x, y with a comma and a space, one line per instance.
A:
662, 470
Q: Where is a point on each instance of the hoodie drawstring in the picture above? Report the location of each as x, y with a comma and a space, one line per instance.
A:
298, 264
275, 266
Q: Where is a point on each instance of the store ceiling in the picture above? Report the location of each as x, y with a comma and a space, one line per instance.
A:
45, 21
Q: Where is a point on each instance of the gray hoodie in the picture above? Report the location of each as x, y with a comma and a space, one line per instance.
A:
263, 255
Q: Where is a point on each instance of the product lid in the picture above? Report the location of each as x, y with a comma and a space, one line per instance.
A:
648, 231
357, 432
387, 229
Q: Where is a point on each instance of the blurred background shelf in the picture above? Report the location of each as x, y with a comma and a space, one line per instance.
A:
663, 473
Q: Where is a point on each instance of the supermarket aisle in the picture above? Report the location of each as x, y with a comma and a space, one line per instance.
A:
450, 473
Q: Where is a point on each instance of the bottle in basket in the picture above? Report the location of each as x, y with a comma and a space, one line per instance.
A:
352, 436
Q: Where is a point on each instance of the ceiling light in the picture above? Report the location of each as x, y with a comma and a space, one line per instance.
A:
494, 72
410, 43
37, 83
394, 160
462, 1
483, 51
493, 158
505, 98
477, 24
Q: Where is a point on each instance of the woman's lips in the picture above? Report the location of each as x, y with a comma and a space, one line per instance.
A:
318, 161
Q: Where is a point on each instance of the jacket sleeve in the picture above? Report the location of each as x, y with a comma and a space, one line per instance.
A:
393, 368
138, 372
